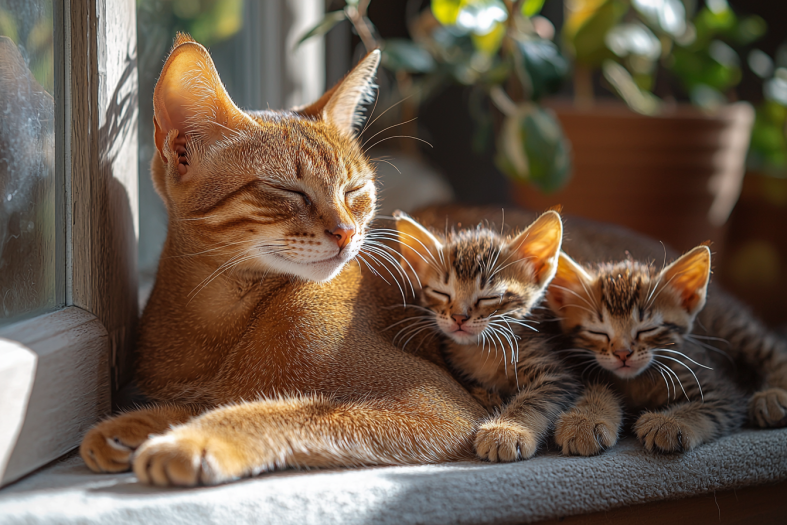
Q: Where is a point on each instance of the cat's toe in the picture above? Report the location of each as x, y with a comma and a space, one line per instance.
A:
578, 434
183, 458
505, 442
664, 433
768, 408
108, 446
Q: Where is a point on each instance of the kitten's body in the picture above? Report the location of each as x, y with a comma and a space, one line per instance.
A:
478, 290
725, 334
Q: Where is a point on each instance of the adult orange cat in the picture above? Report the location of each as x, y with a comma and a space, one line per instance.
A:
254, 300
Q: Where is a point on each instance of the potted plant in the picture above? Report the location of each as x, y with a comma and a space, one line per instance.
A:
660, 166
502, 52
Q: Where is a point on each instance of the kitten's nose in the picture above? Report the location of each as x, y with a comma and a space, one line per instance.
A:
459, 318
623, 353
342, 233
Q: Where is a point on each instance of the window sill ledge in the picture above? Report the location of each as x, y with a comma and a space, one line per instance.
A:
546, 487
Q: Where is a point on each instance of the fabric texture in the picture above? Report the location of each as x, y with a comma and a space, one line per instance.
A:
547, 486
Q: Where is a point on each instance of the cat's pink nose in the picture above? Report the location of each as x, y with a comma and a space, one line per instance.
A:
459, 318
623, 353
343, 234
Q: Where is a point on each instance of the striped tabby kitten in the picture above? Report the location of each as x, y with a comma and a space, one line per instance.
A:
628, 324
476, 288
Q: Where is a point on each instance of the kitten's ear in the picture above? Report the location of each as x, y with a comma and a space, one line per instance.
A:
190, 99
539, 245
570, 279
688, 277
342, 105
417, 244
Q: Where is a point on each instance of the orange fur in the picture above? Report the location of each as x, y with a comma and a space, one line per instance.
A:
290, 345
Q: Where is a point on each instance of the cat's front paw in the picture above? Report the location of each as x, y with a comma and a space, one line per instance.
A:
768, 408
186, 457
578, 433
109, 446
499, 441
665, 433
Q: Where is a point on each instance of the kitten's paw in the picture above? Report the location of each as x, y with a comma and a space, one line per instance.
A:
503, 442
108, 446
664, 433
185, 457
768, 408
579, 434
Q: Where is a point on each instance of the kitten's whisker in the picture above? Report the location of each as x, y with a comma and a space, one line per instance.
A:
660, 367
416, 317
682, 355
415, 334
720, 339
684, 365
691, 339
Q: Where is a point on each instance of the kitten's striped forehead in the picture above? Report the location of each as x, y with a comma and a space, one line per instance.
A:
622, 285
473, 252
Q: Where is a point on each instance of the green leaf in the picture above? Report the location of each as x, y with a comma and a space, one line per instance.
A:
325, 25
532, 147
586, 27
532, 7
544, 66
400, 54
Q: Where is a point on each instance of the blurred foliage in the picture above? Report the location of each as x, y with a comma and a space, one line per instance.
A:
207, 21
30, 25
494, 48
697, 48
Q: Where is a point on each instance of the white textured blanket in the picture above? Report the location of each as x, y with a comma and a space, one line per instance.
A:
548, 486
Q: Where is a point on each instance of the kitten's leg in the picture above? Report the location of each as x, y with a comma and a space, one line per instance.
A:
525, 421
488, 399
246, 439
684, 426
754, 346
108, 446
592, 425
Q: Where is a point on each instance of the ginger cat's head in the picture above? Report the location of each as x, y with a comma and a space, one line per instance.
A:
475, 281
286, 192
628, 314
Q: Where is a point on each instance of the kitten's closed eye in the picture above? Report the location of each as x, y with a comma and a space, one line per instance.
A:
489, 300
646, 331
599, 334
440, 295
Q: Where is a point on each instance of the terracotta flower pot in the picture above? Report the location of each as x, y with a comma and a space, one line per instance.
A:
675, 177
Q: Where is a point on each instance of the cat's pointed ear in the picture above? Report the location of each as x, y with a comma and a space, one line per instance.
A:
342, 105
191, 100
688, 277
570, 281
539, 245
418, 245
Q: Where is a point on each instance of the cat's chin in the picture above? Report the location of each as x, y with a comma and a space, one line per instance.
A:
319, 271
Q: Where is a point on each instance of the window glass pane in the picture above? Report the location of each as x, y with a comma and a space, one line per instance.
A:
28, 223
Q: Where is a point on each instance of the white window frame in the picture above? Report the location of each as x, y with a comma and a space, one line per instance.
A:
58, 370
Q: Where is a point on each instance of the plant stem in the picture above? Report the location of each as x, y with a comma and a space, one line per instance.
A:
583, 87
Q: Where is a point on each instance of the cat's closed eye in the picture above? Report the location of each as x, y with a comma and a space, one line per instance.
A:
599, 334
439, 295
646, 331
489, 300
